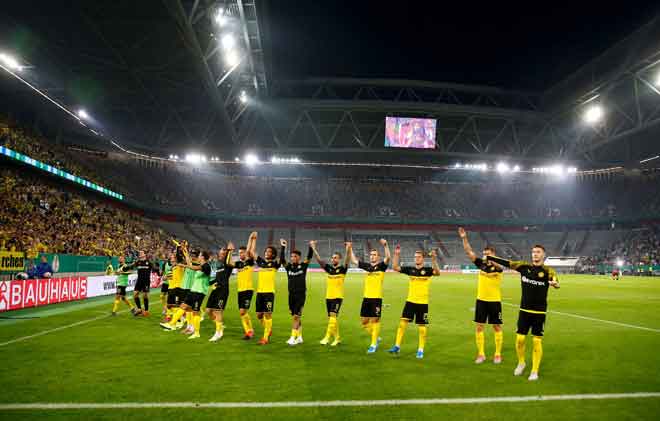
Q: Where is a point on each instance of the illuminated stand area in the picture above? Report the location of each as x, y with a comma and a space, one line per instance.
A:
49, 168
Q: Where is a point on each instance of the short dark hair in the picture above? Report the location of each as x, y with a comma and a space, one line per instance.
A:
206, 254
376, 250
337, 253
273, 250
242, 248
490, 248
296, 252
538, 246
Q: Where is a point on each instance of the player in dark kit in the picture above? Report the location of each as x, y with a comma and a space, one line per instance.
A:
215, 305
296, 272
535, 279
144, 268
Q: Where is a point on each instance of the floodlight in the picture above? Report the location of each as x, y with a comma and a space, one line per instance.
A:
227, 41
251, 159
83, 114
10, 62
502, 167
593, 114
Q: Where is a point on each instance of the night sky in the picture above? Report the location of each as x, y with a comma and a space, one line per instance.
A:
527, 45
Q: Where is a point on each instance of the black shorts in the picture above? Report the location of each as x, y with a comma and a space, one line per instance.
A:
245, 299
371, 307
175, 297
333, 305
194, 300
296, 303
142, 286
534, 321
121, 290
265, 302
488, 311
417, 312
217, 299
164, 288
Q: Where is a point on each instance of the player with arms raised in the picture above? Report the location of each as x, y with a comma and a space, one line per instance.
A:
265, 302
296, 272
372, 303
244, 284
488, 308
334, 295
535, 280
417, 304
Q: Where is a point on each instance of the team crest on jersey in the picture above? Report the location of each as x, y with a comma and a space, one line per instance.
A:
336, 270
541, 274
423, 272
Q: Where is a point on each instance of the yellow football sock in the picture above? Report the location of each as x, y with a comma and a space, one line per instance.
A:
294, 333
196, 321
261, 321
520, 348
499, 339
189, 318
247, 322
114, 306
480, 338
268, 327
128, 303
423, 330
177, 315
375, 333
537, 353
328, 330
219, 327
335, 327
403, 324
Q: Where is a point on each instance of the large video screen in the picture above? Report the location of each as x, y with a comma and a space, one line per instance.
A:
405, 132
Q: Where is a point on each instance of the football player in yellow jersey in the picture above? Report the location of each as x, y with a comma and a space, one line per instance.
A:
372, 301
488, 308
244, 266
417, 303
265, 303
334, 295
175, 294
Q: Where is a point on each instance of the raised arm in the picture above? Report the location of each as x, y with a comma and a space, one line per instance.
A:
554, 281
434, 263
310, 254
230, 252
386, 250
320, 261
466, 244
396, 259
354, 259
282, 258
252, 245
348, 253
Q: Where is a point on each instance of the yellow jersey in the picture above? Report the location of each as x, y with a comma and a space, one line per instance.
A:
373, 282
244, 275
490, 281
177, 277
420, 281
336, 277
267, 272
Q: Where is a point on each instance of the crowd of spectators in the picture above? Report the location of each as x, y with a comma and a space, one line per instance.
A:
43, 216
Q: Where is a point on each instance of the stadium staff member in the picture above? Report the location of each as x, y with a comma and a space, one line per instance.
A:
144, 268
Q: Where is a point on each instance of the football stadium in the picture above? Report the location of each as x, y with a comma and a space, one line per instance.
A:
251, 209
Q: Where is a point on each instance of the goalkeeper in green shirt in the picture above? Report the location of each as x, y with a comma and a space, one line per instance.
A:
122, 273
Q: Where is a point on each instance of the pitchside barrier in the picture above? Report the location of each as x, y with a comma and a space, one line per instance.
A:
19, 294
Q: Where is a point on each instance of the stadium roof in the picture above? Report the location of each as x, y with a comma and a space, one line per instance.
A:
154, 75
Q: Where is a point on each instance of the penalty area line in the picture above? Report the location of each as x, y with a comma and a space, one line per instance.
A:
338, 403
593, 319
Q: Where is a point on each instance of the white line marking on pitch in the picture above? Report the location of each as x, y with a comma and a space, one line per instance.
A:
593, 319
57, 329
316, 404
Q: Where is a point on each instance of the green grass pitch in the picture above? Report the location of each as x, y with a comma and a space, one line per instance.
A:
126, 359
